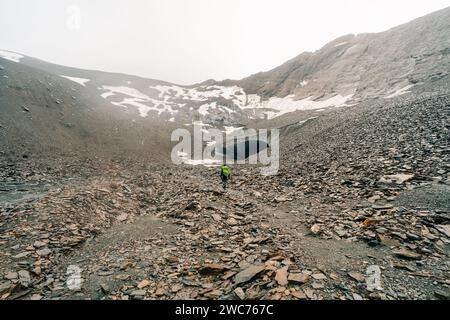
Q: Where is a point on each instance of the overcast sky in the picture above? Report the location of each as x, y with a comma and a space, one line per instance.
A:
188, 41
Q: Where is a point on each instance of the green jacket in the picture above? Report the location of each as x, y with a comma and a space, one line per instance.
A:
226, 171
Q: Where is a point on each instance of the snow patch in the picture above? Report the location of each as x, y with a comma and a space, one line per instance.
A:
171, 98
288, 104
107, 94
340, 44
167, 92
229, 130
227, 109
201, 93
253, 99
142, 102
203, 110
11, 56
199, 123
205, 162
142, 108
306, 120
401, 91
80, 81
126, 91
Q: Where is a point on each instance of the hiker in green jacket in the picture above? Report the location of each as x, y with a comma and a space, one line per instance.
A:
225, 175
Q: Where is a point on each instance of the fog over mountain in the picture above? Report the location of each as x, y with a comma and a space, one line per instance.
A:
188, 42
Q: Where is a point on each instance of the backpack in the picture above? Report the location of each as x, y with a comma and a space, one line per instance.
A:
226, 171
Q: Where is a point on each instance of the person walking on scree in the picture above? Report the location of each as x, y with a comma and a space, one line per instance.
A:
225, 175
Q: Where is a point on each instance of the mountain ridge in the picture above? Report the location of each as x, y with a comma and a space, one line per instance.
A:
349, 70
346, 70
360, 50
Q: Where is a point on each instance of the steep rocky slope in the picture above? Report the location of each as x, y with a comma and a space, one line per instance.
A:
45, 115
364, 65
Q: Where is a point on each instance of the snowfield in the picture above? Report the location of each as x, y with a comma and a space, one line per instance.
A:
202, 93
137, 99
172, 98
213, 100
237, 95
